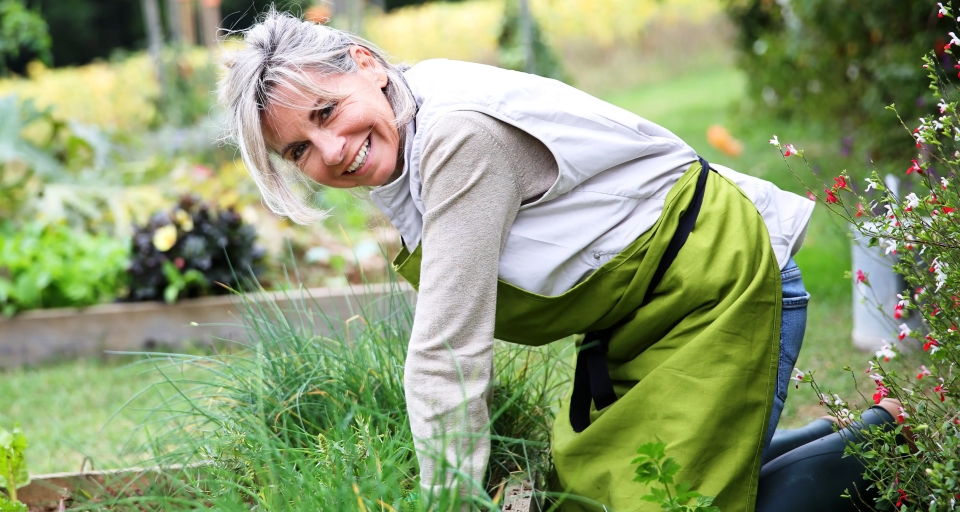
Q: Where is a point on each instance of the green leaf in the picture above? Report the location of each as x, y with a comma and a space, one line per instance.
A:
654, 451
12, 447
669, 469
170, 293
647, 472
9, 506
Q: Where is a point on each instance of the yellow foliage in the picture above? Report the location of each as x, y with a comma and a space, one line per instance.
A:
468, 30
461, 31
117, 95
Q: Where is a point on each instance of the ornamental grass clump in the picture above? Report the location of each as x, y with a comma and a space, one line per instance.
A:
916, 465
309, 414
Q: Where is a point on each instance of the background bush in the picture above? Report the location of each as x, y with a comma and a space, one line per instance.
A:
841, 62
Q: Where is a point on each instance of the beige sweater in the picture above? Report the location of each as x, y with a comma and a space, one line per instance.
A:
476, 172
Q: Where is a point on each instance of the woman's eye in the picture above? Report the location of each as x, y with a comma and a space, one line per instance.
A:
298, 152
326, 112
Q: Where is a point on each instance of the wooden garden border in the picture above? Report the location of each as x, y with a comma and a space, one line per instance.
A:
48, 490
33, 337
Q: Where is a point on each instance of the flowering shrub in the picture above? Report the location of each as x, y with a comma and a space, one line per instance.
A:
191, 251
914, 466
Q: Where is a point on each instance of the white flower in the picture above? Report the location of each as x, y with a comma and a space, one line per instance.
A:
944, 183
886, 352
943, 106
891, 246
870, 184
912, 201
904, 331
953, 38
774, 141
877, 377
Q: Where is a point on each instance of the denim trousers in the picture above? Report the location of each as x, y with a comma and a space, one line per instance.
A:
793, 323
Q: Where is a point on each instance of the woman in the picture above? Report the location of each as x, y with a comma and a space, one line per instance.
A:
530, 211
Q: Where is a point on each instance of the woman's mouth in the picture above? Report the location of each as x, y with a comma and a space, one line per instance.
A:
360, 159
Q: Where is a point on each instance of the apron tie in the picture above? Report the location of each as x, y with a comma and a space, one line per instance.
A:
591, 379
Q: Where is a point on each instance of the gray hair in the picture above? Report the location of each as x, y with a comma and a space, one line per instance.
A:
277, 52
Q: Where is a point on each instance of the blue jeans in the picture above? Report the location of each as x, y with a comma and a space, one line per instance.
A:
793, 323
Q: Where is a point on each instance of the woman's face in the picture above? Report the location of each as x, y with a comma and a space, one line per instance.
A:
345, 143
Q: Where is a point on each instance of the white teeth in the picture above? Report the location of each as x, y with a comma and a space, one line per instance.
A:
361, 157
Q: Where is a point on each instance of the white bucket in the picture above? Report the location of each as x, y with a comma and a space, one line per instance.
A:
874, 327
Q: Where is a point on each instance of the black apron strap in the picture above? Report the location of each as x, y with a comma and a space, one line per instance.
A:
591, 379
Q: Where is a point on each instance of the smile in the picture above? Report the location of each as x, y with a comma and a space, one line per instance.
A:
361, 157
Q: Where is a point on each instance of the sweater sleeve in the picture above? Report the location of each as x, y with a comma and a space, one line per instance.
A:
471, 194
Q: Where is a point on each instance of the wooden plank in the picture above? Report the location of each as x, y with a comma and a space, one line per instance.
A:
48, 490
33, 337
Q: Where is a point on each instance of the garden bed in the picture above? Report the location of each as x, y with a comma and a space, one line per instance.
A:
37, 336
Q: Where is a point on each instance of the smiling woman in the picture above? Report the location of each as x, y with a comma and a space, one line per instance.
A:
321, 100
529, 212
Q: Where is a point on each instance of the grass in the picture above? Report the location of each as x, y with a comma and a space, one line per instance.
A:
67, 411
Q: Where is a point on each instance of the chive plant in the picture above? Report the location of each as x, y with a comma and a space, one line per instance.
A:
309, 413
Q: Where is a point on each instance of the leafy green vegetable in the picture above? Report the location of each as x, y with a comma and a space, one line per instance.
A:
654, 466
13, 466
48, 266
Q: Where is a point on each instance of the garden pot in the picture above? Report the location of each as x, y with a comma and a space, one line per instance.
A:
874, 304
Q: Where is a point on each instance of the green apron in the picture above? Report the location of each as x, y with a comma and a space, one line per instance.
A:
695, 368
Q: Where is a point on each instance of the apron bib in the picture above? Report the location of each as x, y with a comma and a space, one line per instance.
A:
695, 367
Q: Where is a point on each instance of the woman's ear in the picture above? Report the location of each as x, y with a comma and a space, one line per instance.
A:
366, 62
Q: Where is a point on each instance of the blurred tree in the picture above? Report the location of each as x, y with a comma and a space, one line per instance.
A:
23, 36
841, 62
84, 30
521, 46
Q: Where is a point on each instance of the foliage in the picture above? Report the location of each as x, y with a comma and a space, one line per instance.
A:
654, 466
22, 33
13, 468
914, 466
191, 251
841, 61
185, 97
512, 51
117, 94
311, 414
52, 265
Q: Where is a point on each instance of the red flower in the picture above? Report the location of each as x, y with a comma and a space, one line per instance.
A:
947, 209
898, 311
903, 498
931, 342
915, 167
859, 210
840, 183
924, 372
882, 392
861, 277
790, 150
179, 262
940, 390
811, 196
831, 198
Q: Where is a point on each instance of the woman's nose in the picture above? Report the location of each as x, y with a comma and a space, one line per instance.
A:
332, 147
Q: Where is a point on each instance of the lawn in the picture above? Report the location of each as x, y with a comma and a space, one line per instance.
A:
67, 409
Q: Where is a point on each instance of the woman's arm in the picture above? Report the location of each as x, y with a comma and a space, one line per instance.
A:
476, 172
